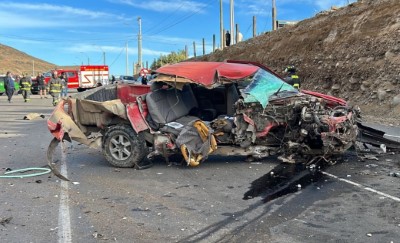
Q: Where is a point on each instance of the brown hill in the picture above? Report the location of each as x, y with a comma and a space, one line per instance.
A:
19, 62
352, 53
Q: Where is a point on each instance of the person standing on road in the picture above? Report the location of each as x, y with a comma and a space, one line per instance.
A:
227, 38
9, 86
41, 86
64, 85
55, 87
26, 84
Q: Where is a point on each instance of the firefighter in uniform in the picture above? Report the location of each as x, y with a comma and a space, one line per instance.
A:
55, 87
292, 78
26, 83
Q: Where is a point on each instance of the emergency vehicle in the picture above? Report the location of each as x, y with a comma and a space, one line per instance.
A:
85, 77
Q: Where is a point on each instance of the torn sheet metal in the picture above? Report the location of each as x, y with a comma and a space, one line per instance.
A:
85, 113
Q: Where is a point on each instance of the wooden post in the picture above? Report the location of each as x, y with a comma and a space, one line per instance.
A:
213, 43
194, 48
204, 47
237, 34
254, 27
224, 39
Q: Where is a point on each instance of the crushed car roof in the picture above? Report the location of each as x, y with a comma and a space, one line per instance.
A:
206, 73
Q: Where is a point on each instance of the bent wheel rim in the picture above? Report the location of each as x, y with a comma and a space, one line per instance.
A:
120, 147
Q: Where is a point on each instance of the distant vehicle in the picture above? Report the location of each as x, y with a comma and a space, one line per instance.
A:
3, 89
126, 79
86, 77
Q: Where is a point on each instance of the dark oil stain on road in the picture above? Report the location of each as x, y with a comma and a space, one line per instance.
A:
285, 178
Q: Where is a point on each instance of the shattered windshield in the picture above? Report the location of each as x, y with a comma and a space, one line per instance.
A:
265, 85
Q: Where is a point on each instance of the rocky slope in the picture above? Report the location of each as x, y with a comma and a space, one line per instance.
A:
352, 52
19, 62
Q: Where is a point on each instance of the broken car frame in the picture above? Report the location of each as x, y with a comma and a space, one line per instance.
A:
198, 108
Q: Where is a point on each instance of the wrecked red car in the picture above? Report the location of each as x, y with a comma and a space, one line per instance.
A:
200, 108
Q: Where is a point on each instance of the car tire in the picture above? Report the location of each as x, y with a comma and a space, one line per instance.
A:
123, 147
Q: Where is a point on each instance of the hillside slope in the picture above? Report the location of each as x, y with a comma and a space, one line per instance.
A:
353, 53
19, 62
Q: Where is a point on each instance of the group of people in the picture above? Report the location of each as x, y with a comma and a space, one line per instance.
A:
25, 84
57, 86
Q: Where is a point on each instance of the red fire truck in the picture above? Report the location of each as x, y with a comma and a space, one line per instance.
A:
85, 77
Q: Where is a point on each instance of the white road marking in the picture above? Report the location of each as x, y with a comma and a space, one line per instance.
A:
64, 221
362, 187
394, 136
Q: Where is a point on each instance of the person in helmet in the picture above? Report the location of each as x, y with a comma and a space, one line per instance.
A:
25, 84
292, 78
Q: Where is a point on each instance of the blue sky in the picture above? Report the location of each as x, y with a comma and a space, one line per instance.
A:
75, 32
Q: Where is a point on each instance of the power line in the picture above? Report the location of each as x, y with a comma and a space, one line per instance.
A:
123, 48
163, 20
182, 19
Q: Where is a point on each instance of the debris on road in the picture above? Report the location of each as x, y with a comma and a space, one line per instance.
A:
4, 221
394, 174
32, 116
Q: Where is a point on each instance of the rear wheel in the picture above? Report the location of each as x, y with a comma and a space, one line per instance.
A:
122, 147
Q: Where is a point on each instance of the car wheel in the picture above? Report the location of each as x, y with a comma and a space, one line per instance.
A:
122, 147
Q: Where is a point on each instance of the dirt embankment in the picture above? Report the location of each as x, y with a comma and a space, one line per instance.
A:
19, 62
352, 53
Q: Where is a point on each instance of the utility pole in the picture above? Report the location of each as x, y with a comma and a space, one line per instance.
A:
127, 69
232, 21
33, 68
221, 24
273, 15
104, 58
186, 52
140, 44
254, 27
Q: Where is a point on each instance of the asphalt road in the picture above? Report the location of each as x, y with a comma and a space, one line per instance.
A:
354, 201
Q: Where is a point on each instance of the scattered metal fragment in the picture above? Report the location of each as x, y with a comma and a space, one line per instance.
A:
5, 221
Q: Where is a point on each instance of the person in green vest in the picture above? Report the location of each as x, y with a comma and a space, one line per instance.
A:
292, 78
55, 87
26, 83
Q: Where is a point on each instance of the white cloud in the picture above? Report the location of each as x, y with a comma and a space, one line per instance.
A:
165, 5
26, 15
